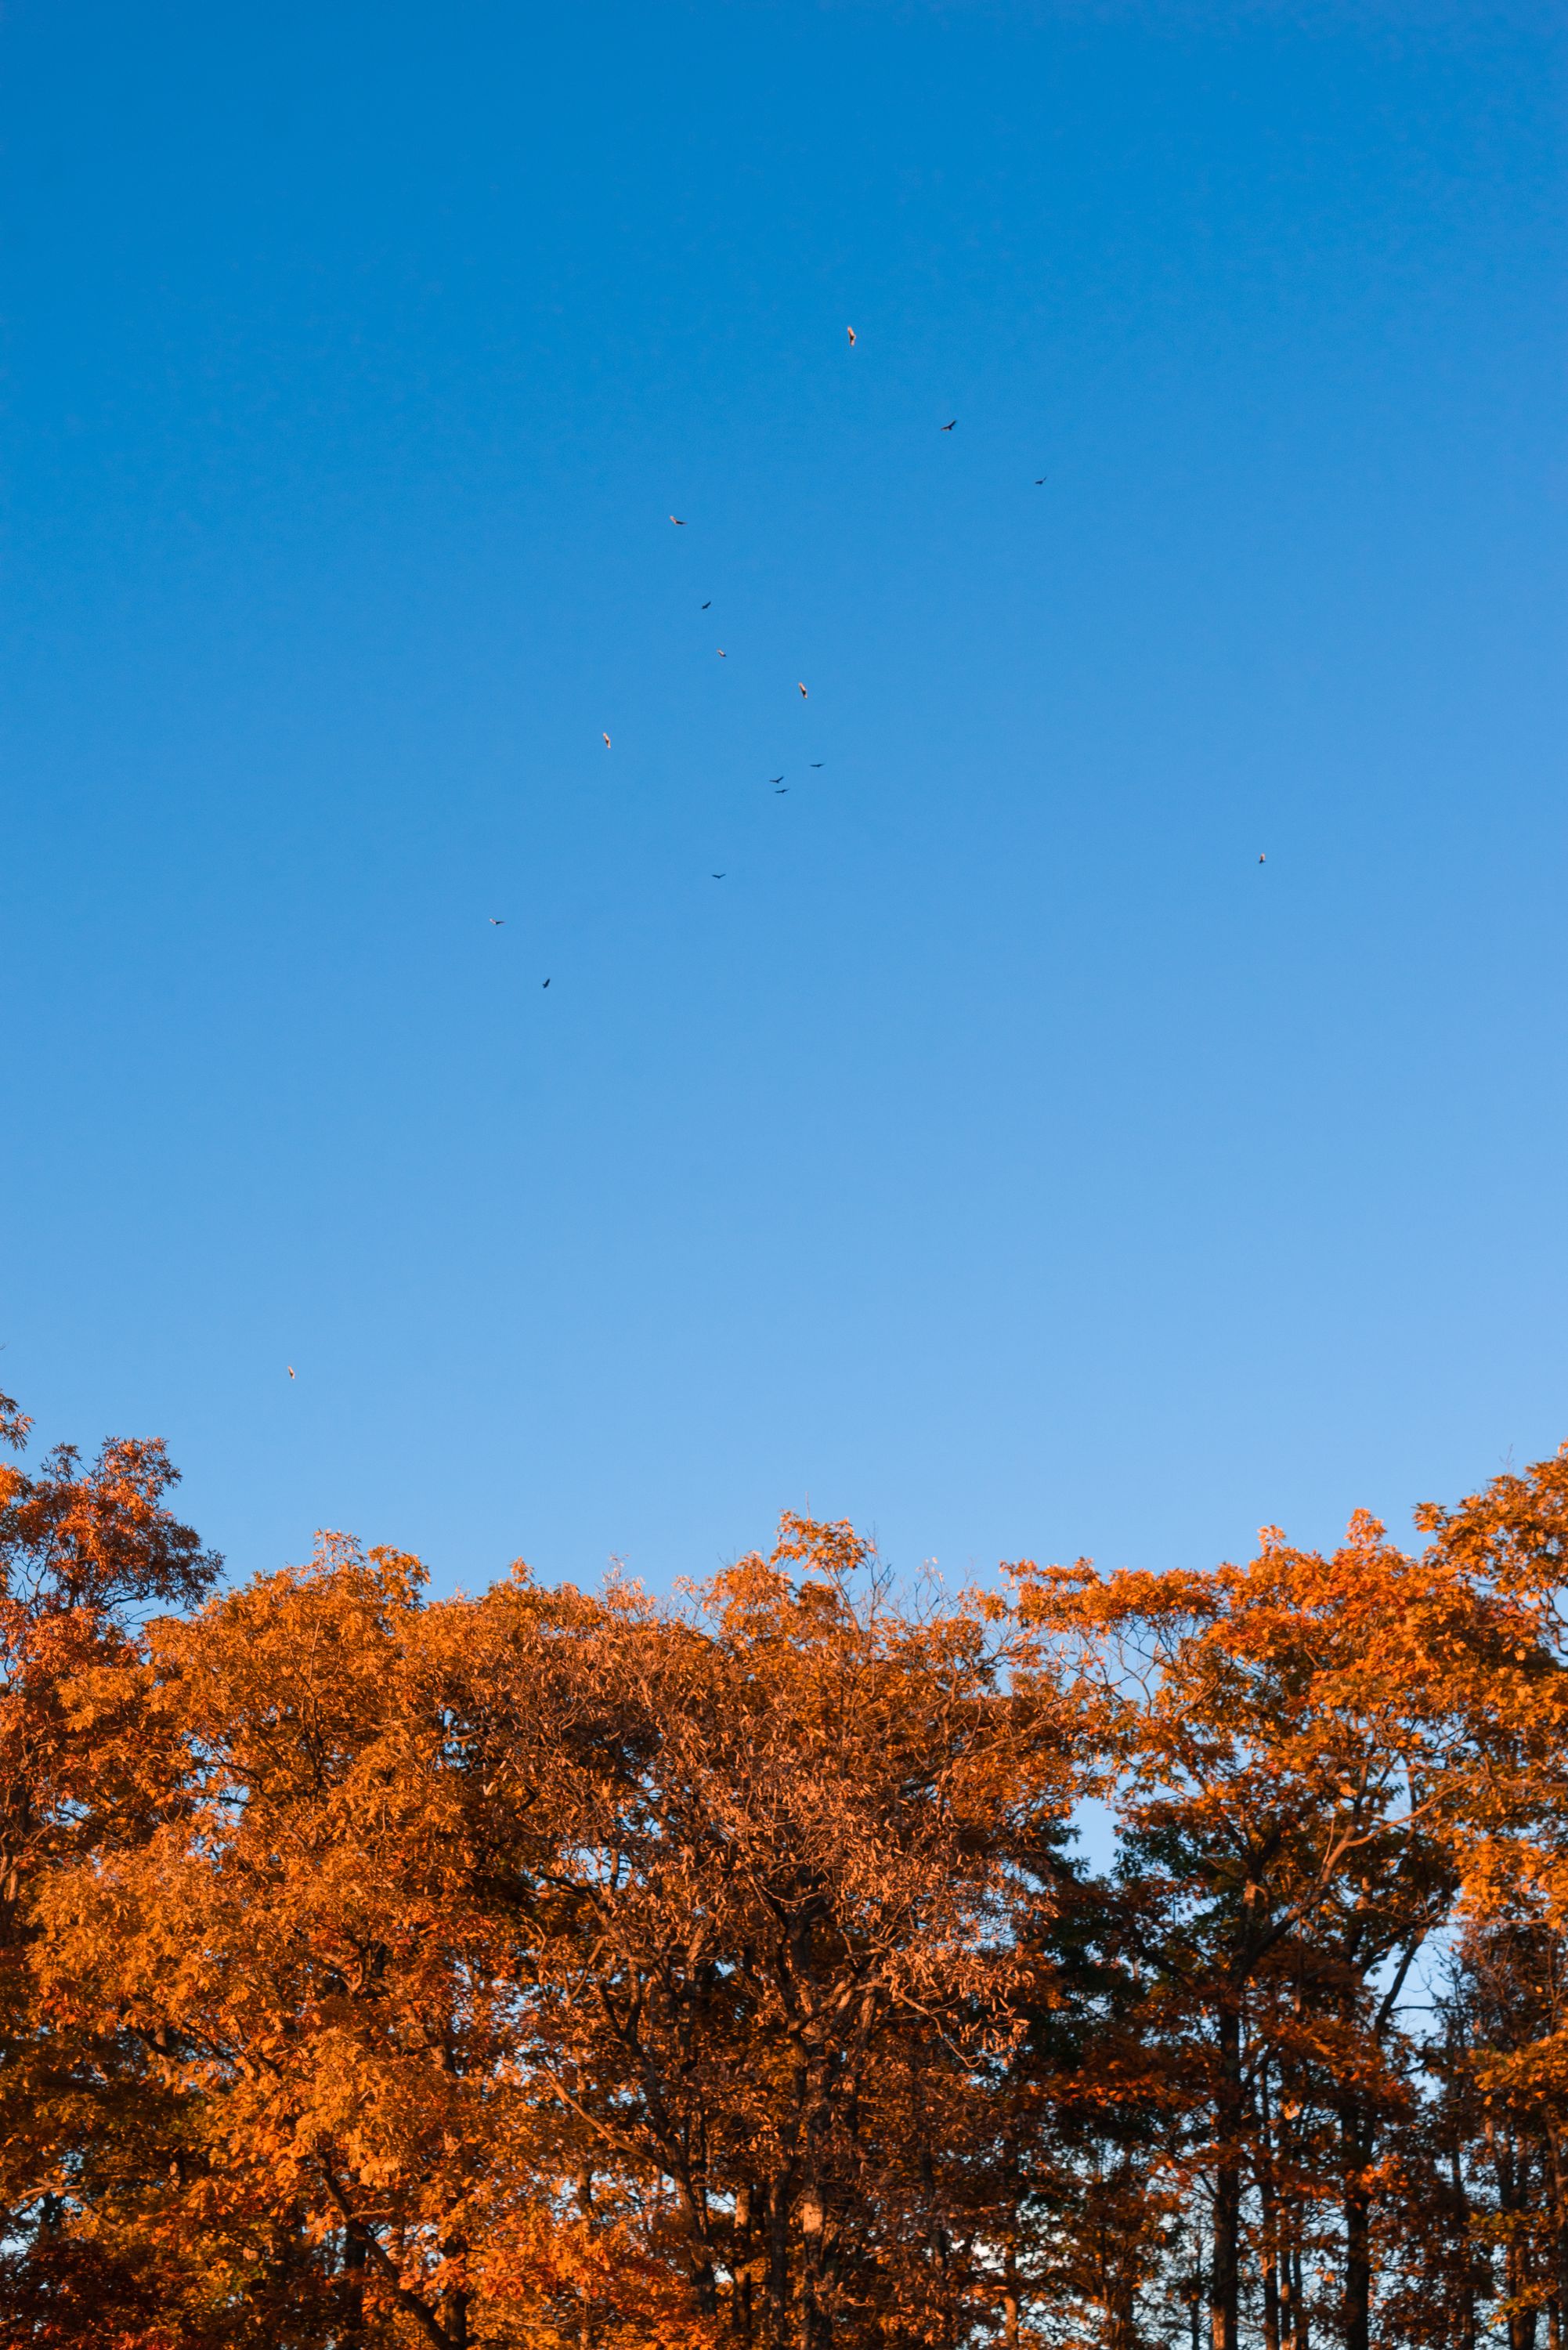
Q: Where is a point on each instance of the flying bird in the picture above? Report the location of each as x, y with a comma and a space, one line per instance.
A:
708, 605
1040, 479
781, 793
606, 743
775, 779
1261, 858
719, 877
850, 332
819, 762
547, 982
497, 922
722, 654
803, 692
948, 428
291, 1370
678, 521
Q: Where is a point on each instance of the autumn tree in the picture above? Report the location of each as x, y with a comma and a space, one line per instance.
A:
1288, 1765
548, 1970
296, 1943
85, 1552
1505, 2040
760, 1874
538, 1949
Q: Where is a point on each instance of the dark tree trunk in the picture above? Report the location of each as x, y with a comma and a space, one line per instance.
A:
1356, 2155
1514, 2202
1269, 2206
1225, 2287
778, 2265
1302, 2315
353, 2288
1559, 2159
1010, 2308
743, 2266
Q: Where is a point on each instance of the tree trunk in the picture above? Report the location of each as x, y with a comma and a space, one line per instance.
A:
1512, 2169
1225, 2287
1268, 2248
816, 2330
353, 2289
1287, 2256
1010, 2299
778, 2265
1356, 2155
1461, 2206
1559, 2159
454, 2316
743, 2265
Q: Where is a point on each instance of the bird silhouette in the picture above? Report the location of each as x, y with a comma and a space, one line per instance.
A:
722, 654
606, 743
547, 982
819, 762
719, 877
497, 922
678, 522
1261, 858
291, 1370
775, 779
708, 605
783, 792
850, 332
802, 694
948, 428
1041, 480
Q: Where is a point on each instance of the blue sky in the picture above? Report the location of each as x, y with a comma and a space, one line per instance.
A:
999, 1155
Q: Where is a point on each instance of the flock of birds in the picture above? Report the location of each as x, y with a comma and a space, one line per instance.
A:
781, 789
498, 921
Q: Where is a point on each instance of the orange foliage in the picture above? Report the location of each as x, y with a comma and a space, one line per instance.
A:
574, 1971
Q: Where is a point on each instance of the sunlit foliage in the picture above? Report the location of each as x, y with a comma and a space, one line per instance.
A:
570, 1971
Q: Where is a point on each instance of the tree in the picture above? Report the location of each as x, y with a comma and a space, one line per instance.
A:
496, 1936
1506, 2077
564, 1971
83, 1553
759, 1875
290, 1941
1287, 1762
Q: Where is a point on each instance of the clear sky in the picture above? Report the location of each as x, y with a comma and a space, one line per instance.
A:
999, 1154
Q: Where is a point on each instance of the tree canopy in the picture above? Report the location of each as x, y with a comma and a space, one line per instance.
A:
550, 1970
